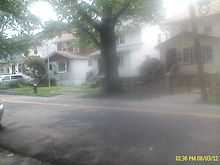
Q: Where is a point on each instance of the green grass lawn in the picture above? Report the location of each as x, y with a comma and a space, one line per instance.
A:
214, 100
52, 91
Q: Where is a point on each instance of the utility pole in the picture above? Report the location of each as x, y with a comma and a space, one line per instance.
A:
48, 67
198, 55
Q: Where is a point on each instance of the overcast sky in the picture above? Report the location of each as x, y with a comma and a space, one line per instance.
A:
45, 12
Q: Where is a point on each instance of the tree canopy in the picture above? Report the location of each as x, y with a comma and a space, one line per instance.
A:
97, 20
86, 17
17, 25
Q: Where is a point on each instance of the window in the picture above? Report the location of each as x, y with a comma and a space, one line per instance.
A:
207, 54
62, 67
179, 57
51, 67
188, 56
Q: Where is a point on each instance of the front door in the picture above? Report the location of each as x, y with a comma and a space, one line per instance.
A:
171, 58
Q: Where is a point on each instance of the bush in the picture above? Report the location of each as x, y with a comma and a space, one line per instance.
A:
151, 69
17, 84
44, 82
35, 67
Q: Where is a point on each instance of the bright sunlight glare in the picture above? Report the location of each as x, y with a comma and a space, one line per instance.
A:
43, 10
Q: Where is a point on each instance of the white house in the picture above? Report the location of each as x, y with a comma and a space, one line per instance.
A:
132, 51
68, 69
12, 66
68, 64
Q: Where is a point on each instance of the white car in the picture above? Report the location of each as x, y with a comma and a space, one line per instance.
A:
1, 111
11, 78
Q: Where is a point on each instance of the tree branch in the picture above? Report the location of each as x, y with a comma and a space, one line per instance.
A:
91, 35
124, 7
89, 19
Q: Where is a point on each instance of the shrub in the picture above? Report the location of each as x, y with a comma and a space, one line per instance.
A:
17, 84
35, 67
44, 82
151, 69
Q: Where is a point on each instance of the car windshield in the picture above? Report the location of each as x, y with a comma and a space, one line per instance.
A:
110, 82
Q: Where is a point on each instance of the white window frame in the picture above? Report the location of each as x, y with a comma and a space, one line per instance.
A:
207, 51
65, 70
187, 52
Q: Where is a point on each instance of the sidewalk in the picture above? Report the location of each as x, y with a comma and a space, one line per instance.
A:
8, 158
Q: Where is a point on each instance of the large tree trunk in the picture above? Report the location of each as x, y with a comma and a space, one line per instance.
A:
110, 59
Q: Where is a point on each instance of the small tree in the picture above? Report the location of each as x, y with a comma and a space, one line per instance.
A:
36, 68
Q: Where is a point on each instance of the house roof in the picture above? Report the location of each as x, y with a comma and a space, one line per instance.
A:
120, 48
188, 35
68, 55
64, 37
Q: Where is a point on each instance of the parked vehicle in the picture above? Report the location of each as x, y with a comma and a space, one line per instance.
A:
1, 111
13, 78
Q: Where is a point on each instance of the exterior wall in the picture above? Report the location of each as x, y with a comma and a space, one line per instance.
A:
4, 69
93, 64
190, 69
7, 69
75, 73
79, 70
185, 26
132, 60
131, 54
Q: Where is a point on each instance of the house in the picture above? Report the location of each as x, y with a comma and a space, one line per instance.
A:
177, 50
131, 50
68, 69
68, 64
11, 66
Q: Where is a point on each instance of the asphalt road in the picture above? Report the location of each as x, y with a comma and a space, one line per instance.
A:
74, 130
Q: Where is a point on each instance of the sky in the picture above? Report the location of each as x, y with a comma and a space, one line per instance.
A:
45, 12
175, 7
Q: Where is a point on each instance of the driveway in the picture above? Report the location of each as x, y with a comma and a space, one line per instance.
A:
70, 129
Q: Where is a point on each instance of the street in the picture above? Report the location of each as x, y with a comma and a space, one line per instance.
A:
71, 129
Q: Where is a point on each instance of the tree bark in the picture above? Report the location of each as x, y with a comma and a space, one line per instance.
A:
109, 56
